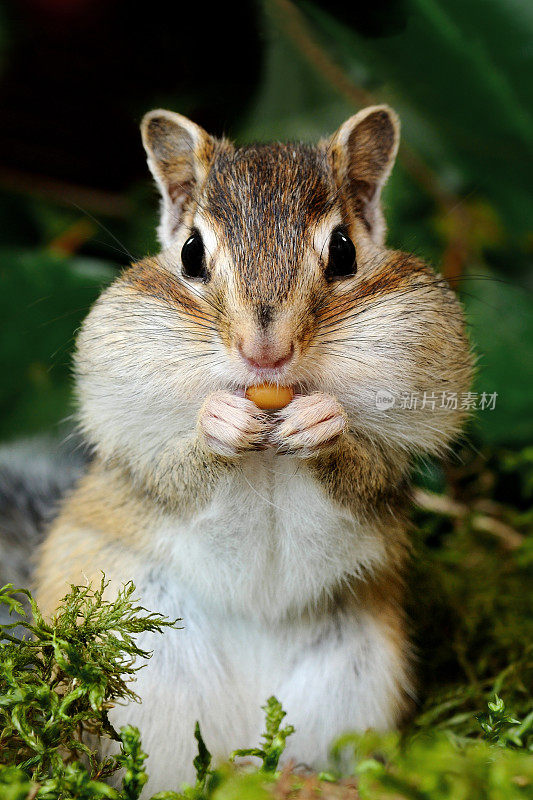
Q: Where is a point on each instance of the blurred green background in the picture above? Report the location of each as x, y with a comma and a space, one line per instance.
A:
77, 203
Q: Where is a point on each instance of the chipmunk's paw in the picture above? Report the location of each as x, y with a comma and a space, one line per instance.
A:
308, 425
231, 425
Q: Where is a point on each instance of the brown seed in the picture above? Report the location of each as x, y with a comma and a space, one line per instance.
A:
270, 397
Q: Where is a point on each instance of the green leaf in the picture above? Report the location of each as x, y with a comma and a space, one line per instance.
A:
274, 738
53, 294
472, 118
202, 761
500, 318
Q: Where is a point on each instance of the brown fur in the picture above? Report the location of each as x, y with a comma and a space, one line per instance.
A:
161, 375
360, 475
295, 184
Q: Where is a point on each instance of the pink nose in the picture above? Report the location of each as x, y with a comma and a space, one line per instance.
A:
264, 356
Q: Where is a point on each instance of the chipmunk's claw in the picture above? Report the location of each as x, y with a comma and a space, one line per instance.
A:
232, 425
308, 425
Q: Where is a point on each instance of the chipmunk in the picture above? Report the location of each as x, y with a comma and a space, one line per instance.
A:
279, 539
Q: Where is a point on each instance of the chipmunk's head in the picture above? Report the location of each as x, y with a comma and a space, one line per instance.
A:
268, 234
273, 270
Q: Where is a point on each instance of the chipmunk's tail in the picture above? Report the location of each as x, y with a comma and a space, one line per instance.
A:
34, 476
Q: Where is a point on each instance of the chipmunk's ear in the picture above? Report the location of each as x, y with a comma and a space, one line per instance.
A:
179, 153
363, 151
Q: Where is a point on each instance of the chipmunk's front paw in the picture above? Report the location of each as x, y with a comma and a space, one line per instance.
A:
309, 424
231, 425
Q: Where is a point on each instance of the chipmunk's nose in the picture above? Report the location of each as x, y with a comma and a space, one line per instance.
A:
263, 355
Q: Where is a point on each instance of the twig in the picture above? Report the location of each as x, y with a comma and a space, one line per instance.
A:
291, 22
73, 238
111, 204
447, 507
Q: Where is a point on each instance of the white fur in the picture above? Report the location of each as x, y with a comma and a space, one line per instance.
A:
332, 673
269, 543
243, 575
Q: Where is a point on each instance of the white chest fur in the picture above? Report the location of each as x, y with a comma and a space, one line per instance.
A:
245, 576
270, 541
332, 672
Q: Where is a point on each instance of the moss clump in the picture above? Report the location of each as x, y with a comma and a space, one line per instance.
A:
59, 681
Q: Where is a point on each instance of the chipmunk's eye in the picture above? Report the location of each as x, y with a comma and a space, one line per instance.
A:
341, 262
193, 258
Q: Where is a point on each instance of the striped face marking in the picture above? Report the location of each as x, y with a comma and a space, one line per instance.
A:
265, 200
